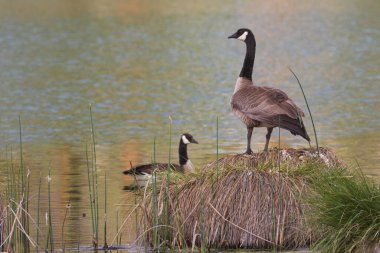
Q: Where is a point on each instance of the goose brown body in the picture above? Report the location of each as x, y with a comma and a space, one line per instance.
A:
259, 106
143, 172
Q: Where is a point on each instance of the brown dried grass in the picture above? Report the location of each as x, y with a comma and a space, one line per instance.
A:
289, 157
239, 201
2, 223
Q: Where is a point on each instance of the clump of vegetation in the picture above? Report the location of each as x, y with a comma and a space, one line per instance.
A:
345, 209
15, 216
238, 201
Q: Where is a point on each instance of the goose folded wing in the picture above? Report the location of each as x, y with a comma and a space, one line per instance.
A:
265, 104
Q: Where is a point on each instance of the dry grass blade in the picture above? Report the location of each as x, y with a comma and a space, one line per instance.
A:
125, 222
237, 225
17, 223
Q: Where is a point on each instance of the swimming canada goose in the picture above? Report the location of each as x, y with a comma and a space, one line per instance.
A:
262, 106
143, 172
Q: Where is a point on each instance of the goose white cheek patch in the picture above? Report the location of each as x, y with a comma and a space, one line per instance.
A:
185, 140
243, 36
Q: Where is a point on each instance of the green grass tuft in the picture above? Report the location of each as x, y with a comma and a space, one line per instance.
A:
345, 209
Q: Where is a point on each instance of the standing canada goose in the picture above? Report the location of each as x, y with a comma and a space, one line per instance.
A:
262, 106
143, 172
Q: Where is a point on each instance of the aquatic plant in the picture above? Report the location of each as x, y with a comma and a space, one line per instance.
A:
92, 176
345, 210
15, 214
308, 107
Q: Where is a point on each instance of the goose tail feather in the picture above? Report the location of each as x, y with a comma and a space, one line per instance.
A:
295, 126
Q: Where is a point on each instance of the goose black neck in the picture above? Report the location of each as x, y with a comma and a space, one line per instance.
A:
182, 153
246, 71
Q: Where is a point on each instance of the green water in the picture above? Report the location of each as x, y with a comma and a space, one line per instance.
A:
139, 62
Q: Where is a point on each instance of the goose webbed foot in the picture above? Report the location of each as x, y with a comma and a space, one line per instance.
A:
266, 153
248, 152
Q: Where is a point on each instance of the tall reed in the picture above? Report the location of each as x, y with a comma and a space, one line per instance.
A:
90, 193
24, 193
50, 236
92, 176
105, 211
154, 201
308, 108
166, 215
38, 212
8, 194
95, 179
217, 148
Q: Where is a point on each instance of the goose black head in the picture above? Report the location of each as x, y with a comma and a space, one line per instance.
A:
242, 34
188, 138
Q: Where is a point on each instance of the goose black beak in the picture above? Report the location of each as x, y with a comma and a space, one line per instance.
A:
233, 36
194, 141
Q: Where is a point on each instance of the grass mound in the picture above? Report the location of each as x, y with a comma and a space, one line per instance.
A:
239, 201
284, 199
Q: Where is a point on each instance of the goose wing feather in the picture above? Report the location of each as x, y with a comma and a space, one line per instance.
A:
148, 168
265, 104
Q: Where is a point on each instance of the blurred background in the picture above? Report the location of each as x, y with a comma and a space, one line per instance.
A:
139, 62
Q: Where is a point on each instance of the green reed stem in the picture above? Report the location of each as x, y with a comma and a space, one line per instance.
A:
27, 210
38, 212
154, 200
95, 181
14, 194
170, 141
279, 144
308, 108
50, 238
24, 194
21, 155
105, 211
9, 196
217, 148
166, 196
89, 177
154, 150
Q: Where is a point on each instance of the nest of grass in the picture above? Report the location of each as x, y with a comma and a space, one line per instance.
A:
290, 157
238, 201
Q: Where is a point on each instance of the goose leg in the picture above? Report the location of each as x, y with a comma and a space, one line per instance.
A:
269, 133
249, 135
